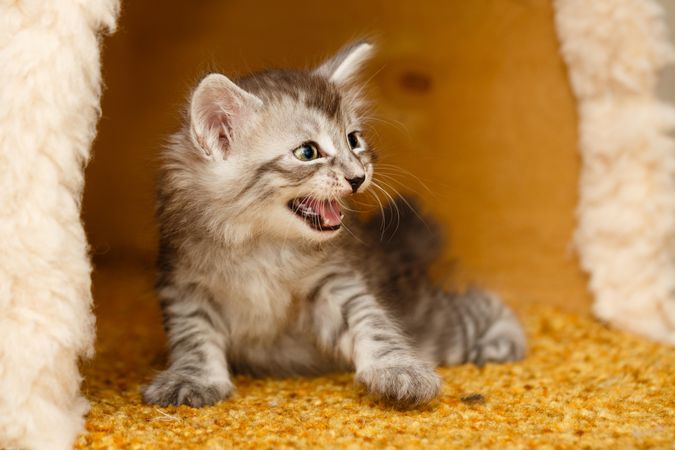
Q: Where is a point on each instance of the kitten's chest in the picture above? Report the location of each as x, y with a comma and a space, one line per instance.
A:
262, 294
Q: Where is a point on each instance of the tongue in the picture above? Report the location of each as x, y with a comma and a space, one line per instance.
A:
329, 210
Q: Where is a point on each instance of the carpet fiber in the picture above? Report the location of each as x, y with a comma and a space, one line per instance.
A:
581, 386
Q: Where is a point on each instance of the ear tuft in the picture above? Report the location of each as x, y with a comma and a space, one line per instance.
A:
345, 65
218, 110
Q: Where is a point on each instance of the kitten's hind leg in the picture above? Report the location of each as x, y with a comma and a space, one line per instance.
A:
483, 330
471, 327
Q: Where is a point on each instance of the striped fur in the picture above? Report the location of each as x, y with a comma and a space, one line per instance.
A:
247, 286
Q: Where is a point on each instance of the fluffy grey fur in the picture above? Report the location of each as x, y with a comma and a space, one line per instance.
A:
256, 274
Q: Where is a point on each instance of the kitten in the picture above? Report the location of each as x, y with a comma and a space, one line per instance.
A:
256, 274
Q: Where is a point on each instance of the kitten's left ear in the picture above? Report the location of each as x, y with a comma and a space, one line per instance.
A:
344, 66
218, 110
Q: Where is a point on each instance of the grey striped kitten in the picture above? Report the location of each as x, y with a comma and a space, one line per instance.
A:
256, 274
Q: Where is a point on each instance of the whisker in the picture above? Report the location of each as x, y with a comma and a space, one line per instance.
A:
393, 202
398, 183
392, 168
397, 125
405, 200
344, 206
383, 226
337, 199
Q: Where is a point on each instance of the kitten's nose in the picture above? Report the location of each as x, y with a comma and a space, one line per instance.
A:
355, 182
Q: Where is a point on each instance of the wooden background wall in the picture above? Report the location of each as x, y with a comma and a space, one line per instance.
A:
472, 95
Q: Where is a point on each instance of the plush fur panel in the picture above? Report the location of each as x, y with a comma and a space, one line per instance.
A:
614, 50
49, 105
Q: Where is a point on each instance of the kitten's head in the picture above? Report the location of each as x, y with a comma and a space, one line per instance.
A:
277, 152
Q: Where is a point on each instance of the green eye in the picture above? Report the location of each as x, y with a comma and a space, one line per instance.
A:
306, 152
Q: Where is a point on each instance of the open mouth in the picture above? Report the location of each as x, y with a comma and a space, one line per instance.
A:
321, 215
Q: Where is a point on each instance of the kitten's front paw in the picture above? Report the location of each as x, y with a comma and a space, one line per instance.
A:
171, 388
404, 385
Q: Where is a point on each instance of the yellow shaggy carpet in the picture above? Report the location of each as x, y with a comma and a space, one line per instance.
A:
582, 386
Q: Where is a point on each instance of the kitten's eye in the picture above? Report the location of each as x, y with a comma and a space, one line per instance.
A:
306, 152
354, 141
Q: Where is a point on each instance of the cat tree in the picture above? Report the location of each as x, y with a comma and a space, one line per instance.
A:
50, 78
50, 90
625, 234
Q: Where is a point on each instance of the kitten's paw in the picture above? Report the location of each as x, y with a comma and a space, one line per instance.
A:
404, 385
171, 388
503, 342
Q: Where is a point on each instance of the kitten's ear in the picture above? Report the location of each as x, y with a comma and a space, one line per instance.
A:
342, 67
218, 110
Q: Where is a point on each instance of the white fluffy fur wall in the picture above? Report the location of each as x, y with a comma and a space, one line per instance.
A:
49, 106
614, 50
